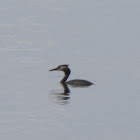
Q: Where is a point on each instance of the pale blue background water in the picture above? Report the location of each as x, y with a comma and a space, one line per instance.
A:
99, 40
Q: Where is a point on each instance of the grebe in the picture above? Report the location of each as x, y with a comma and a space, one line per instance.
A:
67, 72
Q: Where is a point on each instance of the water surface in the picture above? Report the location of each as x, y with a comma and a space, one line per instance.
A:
100, 42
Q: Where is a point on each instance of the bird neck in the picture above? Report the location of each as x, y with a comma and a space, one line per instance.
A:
67, 73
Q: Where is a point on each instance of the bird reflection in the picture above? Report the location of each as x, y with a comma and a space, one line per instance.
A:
62, 97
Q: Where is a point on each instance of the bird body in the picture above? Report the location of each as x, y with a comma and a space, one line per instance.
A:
79, 82
67, 71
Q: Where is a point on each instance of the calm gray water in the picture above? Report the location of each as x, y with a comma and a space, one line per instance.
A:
99, 40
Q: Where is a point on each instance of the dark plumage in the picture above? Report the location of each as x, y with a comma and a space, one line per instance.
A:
67, 71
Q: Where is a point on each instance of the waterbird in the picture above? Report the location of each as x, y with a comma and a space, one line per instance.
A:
67, 71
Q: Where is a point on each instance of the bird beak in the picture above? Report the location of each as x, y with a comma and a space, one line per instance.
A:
53, 69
